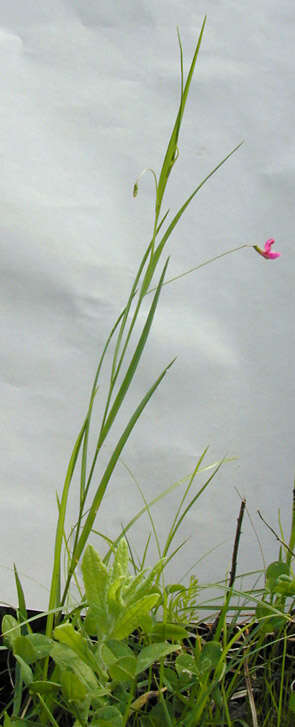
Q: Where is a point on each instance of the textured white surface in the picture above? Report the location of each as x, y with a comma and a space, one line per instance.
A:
89, 95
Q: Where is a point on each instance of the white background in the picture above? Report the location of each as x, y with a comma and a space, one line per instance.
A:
89, 94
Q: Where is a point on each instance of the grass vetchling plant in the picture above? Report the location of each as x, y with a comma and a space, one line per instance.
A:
136, 657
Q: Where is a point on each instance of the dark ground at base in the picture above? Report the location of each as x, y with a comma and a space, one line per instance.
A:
239, 708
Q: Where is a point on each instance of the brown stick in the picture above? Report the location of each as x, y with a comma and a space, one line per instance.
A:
234, 560
236, 544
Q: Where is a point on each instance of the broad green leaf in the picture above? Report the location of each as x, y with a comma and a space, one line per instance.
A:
132, 586
174, 588
114, 600
141, 587
273, 572
97, 621
21, 722
107, 717
285, 585
66, 634
119, 659
130, 618
26, 671
146, 623
121, 559
116, 608
95, 575
44, 687
170, 631
25, 649
153, 574
209, 656
74, 688
9, 622
185, 664
106, 655
33, 647
66, 659
123, 669
291, 704
170, 680
272, 623
152, 653
120, 649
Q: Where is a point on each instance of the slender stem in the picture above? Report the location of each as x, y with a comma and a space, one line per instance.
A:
236, 544
217, 625
291, 552
202, 265
250, 689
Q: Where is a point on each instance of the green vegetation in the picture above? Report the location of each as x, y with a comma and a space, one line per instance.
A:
134, 650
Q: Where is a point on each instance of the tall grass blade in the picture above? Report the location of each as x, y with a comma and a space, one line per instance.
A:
180, 212
172, 146
22, 611
192, 502
106, 425
135, 359
155, 500
93, 392
115, 367
191, 479
54, 596
106, 477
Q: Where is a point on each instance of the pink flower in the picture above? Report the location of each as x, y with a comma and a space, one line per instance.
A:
267, 250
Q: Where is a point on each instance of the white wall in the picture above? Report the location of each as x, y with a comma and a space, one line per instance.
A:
89, 95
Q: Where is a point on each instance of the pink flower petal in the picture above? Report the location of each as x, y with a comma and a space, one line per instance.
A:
266, 253
268, 245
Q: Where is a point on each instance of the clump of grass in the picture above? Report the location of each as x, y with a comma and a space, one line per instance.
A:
133, 650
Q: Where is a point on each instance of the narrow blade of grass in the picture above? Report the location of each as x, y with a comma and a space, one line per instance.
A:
106, 477
155, 500
94, 388
180, 212
135, 358
54, 596
172, 146
194, 499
